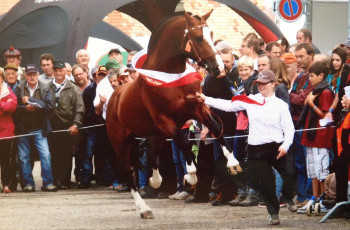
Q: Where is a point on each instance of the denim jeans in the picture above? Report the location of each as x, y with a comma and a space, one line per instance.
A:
143, 170
279, 183
180, 165
42, 147
304, 184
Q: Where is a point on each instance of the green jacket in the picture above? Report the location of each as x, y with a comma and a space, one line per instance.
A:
69, 110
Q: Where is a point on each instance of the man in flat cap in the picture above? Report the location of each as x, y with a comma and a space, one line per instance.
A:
32, 117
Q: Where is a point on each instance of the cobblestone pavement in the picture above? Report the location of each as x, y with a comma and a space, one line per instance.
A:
102, 208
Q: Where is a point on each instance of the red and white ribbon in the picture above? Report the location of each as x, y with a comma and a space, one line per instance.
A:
162, 79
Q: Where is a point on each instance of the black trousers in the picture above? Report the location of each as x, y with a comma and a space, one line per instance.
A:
5, 156
61, 149
261, 159
341, 174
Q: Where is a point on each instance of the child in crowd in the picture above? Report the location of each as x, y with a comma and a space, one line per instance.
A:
318, 142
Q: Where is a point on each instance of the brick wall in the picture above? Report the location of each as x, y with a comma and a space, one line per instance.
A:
224, 22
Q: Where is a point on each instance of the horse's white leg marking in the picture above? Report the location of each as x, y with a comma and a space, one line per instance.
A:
156, 179
207, 37
191, 177
231, 160
140, 203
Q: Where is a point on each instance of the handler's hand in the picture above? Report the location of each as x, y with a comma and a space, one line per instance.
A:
200, 97
281, 152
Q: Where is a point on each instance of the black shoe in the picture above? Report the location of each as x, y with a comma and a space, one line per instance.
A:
251, 200
194, 200
219, 202
84, 186
49, 188
63, 187
237, 200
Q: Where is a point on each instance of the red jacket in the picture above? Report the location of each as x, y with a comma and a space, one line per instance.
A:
8, 105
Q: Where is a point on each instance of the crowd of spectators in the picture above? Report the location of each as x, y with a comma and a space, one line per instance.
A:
304, 89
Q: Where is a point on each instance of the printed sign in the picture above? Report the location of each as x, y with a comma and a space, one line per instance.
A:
290, 10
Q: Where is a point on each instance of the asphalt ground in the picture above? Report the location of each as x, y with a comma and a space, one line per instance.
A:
102, 208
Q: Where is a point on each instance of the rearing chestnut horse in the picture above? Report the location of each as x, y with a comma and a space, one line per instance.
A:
157, 109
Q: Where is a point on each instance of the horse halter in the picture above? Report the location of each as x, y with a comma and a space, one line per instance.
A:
189, 40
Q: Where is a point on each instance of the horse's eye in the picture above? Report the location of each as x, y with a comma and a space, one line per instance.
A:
198, 39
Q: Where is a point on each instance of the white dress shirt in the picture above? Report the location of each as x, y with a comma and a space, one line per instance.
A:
104, 88
268, 123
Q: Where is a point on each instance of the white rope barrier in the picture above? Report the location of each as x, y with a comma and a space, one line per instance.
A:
55, 131
138, 138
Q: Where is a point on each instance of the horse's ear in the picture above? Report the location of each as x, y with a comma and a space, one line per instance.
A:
206, 16
189, 19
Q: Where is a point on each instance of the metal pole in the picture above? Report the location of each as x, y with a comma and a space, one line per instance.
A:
308, 13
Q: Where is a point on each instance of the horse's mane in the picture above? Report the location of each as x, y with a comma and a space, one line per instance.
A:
164, 22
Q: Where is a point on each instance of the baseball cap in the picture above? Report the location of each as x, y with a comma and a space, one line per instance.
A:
123, 72
288, 58
12, 52
112, 64
115, 50
101, 69
11, 66
265, 76
59, 65
31, 68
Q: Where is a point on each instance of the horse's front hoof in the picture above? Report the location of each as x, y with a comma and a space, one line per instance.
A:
154, 184
239, 168
234, 170
147, 214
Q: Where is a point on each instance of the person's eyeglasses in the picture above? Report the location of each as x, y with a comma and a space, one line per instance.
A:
261, 83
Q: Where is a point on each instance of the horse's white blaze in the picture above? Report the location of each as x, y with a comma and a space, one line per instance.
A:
207, 37
231, 160
220, 63
156, 179
140, 203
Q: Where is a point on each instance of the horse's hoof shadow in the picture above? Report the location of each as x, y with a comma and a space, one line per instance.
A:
147, 214
234, 170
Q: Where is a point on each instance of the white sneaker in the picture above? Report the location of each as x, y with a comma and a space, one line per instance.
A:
303, 209
181, 196
323, 208
172, 197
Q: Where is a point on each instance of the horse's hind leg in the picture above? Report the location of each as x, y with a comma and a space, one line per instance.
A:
145, 211
130, 143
